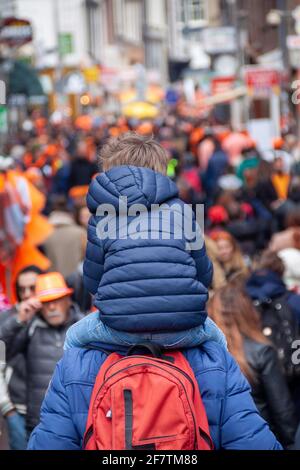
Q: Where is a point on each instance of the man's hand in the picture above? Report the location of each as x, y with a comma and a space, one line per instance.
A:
27, 309
276, 204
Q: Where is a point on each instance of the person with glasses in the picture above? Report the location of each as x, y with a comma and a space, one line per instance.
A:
37, 330
12, 375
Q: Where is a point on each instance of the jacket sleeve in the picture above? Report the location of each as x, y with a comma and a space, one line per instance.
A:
197, 246
278, 397
204, 266
294, 304
93, 265
56, 430
14, 335
242, 427
6, 404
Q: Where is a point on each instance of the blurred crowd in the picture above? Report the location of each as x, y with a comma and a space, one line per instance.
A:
252, 231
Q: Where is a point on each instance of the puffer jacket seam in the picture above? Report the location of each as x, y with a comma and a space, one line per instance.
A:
146, 262
96, 203
202, 372
152, 279
136, 182
223, 402
122, 188
80, 382
91, 262
165, 313
143, 247
155, 295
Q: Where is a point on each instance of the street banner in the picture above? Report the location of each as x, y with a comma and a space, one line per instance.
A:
222, 85
15, 32
262, 81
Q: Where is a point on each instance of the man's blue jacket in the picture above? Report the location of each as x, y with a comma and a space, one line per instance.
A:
233, 418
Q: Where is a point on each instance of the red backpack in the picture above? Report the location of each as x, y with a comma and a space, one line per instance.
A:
146, 403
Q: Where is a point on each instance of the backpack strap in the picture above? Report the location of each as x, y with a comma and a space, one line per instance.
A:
97, 348
154, 349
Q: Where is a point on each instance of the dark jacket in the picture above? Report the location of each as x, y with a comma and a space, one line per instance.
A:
143, 284
270, 391
216, 167
232, 416
266, 284
13, 377
81, 172
42, 346
247, 233
81, 295
266, 192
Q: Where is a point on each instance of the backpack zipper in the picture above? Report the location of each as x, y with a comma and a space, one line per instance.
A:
154, 365
155, 360
87, 436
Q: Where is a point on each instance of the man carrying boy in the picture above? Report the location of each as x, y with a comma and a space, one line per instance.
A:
147, 287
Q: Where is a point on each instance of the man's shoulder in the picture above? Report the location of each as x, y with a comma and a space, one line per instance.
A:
208, 356
80, 365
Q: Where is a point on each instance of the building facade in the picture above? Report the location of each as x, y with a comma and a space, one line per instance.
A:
186, 18
113, 33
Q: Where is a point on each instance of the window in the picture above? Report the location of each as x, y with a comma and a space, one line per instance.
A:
93, 27
128, 20
191, 11
133, 20
110, 26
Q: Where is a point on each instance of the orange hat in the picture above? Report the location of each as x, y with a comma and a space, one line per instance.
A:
78, 191
278, 143
145, 128
51, 150
51, 286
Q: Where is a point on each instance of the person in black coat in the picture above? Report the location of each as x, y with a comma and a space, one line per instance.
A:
38, 331
266, 284
82, 170
217, 166
234, 313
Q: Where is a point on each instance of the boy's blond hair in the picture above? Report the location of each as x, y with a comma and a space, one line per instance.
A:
134, 149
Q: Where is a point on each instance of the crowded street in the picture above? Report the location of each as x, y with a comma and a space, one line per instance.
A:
150, 225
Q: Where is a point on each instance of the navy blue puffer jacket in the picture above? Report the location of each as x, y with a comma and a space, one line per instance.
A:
141, 283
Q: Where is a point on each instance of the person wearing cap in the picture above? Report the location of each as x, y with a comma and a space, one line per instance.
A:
12, 374
38, 331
